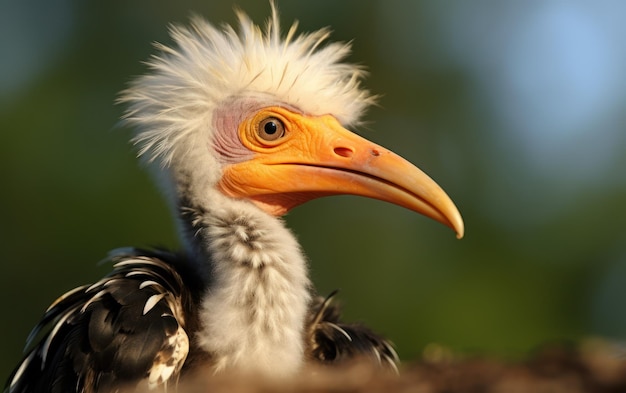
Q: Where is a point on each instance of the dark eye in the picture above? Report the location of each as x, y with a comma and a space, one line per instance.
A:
271, 129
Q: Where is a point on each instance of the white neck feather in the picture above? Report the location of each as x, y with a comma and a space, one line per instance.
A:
254, 311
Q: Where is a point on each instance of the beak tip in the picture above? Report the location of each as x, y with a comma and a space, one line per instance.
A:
456, 223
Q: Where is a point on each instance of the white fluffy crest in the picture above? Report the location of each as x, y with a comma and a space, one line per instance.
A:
173, 105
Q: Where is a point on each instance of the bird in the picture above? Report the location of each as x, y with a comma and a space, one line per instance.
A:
240, 124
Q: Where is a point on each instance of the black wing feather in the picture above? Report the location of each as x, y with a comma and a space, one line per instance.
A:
332, 341
114, 332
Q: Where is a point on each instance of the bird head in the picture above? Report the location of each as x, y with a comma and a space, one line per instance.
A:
257, 115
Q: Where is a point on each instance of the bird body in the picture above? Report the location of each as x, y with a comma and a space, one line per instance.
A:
240, 126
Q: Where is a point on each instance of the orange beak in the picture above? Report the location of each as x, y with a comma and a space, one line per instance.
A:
315, 157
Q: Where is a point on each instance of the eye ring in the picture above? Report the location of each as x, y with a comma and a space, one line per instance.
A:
271, 129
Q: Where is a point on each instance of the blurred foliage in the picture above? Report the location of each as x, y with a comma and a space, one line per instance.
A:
481, 96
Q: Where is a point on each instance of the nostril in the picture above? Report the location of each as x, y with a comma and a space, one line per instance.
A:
343, 151
375, 152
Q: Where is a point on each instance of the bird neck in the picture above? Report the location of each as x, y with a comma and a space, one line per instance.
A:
253, 313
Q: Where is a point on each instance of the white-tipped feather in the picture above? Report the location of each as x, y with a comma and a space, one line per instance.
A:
151, 302
53, 332
20, 370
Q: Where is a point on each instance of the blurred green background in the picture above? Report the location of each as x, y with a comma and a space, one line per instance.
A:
516, 108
